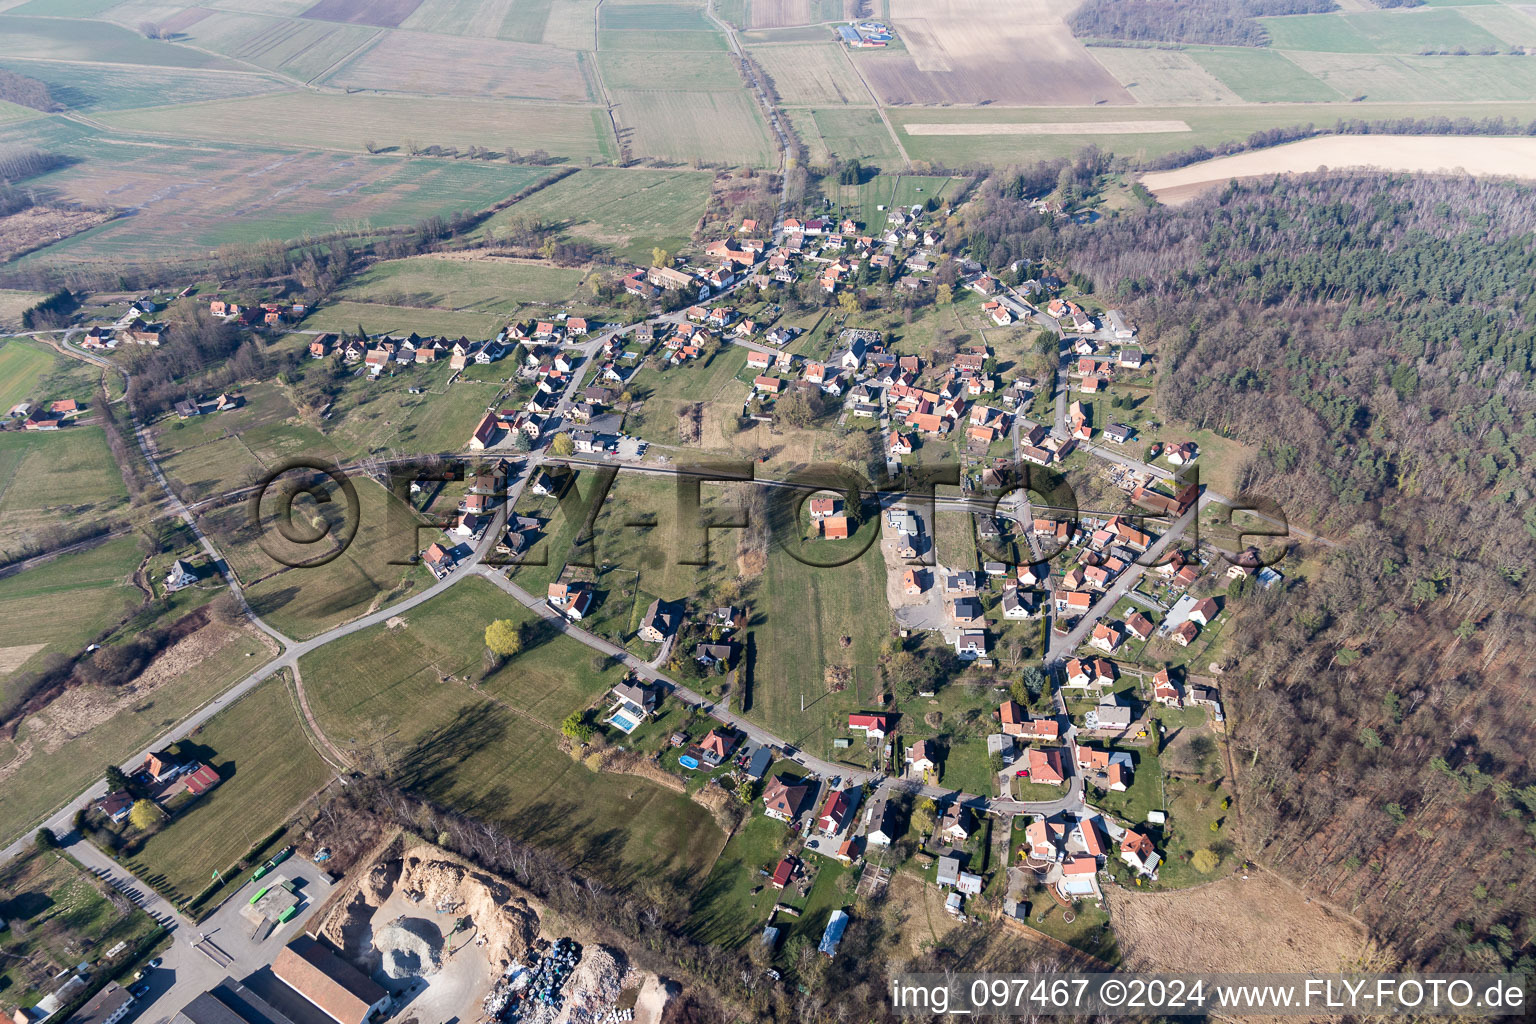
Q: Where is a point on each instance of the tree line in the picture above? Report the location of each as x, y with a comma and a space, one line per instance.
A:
27, 92
1219, 22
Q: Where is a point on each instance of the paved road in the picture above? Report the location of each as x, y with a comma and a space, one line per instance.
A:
1062, 646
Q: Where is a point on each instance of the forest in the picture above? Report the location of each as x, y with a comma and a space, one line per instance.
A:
1218, 22
1372, 337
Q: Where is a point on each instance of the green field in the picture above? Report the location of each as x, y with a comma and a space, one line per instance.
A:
655, 17
56, 479
483, 286
494, 754
22, 366
1379, 32
1510, 25
1263, 76
268, 767
661, 391
88, 87
684, 72
1423, 79
637, 39
851, 133
304, 602
61, 39
863, 202
375, 415
724, 911
806, 613
630, 211
59, 607
62, 759
402, 320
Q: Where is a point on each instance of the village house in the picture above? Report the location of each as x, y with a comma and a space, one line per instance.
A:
837, 811
873, 726
1047, 766
1092, 672
783, 797
1165, 691
660, 622
920, 761
570, 599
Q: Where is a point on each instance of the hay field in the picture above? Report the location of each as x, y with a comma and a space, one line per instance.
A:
336, 122
1162, 77
88, 87
968, 52
1422, 79
378, 318
1511, 25
302, 50
813, 75
628, 211
1480, 156
481, 19
685, 72
12, 305
567, 23
716, 127
478, 68
1258, 924
1262, 76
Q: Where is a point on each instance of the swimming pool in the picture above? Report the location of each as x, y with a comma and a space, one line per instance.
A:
624, 722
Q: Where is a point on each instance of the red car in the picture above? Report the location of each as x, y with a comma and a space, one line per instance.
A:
1022, 773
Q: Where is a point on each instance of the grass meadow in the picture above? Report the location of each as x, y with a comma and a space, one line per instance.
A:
629, 211
493, 751
52, 480
486, 286
59, 607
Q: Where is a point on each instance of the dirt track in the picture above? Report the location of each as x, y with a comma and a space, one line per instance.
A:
1480, 156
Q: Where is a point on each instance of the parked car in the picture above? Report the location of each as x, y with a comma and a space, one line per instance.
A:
1022, 773
139, 991
156, 962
